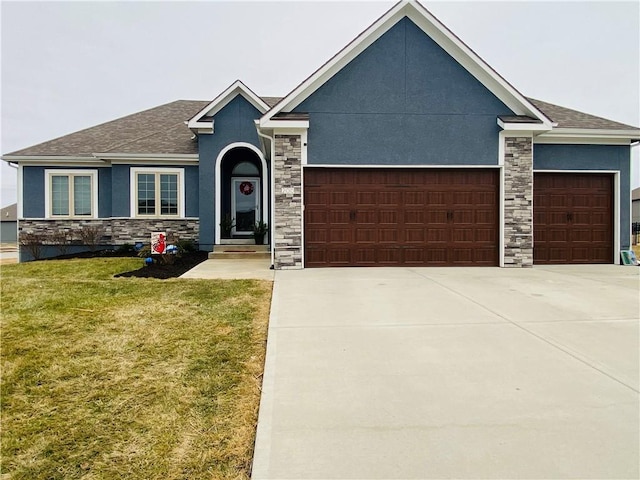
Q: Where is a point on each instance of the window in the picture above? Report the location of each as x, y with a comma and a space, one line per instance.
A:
71, 193
157, 192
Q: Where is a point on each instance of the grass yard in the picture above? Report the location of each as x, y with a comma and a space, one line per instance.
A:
106, 378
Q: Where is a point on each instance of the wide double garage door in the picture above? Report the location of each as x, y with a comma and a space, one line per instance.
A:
393, 217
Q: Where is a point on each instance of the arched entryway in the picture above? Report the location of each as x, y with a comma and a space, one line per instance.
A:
241, 191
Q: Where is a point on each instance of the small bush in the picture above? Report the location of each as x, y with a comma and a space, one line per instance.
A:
91, 236
33, 243
61, 239
185, 246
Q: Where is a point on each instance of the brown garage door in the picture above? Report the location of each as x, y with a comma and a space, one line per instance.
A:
388, 217
572, 218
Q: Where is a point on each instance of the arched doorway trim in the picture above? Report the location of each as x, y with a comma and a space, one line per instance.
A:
264, 185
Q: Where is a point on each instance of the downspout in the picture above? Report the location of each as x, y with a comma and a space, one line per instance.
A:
273, 192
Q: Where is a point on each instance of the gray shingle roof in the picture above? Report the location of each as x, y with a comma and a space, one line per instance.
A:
157, 130
162, 130
567, 118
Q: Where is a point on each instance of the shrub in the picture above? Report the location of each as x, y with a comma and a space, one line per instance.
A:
33, 243
61, 239
91, 236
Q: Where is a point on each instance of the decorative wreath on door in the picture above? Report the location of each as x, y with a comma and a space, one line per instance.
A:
246, 188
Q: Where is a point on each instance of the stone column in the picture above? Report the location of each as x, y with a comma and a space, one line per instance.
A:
287, 172
518, 202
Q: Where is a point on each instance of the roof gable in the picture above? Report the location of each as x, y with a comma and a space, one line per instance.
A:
431, 26
202, 122
404, 72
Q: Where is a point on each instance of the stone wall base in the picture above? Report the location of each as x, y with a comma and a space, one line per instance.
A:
114, 231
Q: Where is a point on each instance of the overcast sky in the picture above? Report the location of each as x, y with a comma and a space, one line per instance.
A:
68, 66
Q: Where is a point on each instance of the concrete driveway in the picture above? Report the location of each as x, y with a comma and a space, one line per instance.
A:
405, 373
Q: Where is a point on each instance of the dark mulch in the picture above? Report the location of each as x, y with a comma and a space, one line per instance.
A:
182, 264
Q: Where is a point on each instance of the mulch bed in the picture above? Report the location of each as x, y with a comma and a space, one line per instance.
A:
181, 265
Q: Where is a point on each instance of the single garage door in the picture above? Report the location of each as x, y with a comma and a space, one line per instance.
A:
392, 217
572, 218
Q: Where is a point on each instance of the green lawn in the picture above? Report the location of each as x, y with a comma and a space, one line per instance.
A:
128, 378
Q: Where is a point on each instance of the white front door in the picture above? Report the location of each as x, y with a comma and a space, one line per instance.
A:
245, 204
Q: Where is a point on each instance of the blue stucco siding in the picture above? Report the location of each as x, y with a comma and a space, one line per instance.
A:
33, 189
33, 192
592, 157
403, 100
234, 123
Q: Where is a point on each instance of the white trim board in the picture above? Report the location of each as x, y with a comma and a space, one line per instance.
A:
218, 186
133, 192
48, 173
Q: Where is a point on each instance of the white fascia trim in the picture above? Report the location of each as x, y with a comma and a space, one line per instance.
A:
591, 134
542, 139
440, 34
285, 124
47, 193
235, 89
56, 161
133, 192
616, 204
329, 165
144, 159
526, 127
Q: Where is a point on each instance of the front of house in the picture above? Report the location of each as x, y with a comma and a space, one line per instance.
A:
405, 149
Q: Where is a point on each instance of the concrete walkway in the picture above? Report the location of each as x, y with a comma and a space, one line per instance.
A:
420, 373
231, 269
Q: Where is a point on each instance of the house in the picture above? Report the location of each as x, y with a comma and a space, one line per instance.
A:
405, 148
9, 224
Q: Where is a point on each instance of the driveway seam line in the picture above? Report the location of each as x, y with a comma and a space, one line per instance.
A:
558, 346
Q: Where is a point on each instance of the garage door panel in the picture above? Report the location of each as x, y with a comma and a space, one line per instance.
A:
340, 235
388, 217
340, 198
339, 217
388, 235
414, 217
417, 199
415, 235
403, 217
366, 235
573, 218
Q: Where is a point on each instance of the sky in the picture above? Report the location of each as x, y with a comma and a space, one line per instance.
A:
71, 65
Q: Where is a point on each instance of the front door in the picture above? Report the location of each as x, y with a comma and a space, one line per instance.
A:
245, 204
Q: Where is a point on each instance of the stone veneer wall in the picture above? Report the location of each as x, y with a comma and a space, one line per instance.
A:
518, 202
117, 231
287, 171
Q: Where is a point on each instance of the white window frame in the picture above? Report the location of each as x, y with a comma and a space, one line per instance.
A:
134, 171
48, 190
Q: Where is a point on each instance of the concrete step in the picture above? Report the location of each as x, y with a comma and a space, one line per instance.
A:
241, 248
238, 255
240, 252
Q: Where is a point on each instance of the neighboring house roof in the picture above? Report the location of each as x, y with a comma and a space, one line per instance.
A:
9, 213
568, 118
635, 194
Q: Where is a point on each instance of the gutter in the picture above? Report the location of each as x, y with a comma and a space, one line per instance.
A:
273, 191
